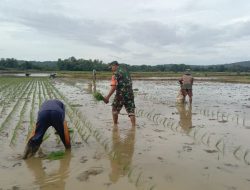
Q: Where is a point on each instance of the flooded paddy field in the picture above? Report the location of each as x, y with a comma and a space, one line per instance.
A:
203, 146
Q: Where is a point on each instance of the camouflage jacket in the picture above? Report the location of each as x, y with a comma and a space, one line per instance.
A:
124, 82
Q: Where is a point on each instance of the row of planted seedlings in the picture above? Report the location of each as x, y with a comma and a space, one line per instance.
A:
21, 115
19, 95
6, 83
213, 115
14, 121
218, 115
154, 99
33, 109
8, 96
74, 122
81, 123
32, 104
197, 134
222, 116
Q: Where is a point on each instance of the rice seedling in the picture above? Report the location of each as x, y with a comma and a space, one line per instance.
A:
32, 120
217, 144
86, 139
57, 155
138, 179
152, 187
71, 130
98, 96
245, 157
235, 152
46, 136
130, 172
114, 155
165, 119
203, 136
208, 139
195, 133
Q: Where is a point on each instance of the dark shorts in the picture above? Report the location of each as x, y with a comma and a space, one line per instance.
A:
188, 92
124, 100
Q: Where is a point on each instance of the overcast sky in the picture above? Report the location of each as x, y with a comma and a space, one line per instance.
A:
136, 32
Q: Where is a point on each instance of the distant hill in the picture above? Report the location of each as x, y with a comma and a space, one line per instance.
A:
243, 66
237, 64
73, 64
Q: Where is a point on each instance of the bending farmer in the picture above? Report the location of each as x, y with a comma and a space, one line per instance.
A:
51, 113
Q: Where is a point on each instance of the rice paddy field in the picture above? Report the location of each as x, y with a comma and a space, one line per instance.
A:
204, 146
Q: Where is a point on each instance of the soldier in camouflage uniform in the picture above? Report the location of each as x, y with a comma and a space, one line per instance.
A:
121, 83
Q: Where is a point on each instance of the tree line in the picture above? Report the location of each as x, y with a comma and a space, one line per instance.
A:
73, 64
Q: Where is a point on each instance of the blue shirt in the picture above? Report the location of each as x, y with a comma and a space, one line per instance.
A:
54, 105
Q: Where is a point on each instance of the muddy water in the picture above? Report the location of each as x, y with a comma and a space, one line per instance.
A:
203, 146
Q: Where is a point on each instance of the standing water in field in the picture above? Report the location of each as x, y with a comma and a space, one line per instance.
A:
209, 139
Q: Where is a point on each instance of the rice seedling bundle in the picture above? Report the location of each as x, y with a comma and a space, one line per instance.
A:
71, 130
56, 155
98, 96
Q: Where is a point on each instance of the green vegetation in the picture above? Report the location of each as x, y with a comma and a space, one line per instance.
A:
71, 130
73, 64
243, 77
57, 155
98, 96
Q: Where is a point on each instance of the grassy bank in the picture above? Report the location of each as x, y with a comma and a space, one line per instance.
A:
243, 77
214, 76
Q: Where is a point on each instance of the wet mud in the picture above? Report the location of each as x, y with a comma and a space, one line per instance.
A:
174, 146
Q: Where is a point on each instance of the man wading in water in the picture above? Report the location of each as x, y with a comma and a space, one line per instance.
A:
186, 82
121, 83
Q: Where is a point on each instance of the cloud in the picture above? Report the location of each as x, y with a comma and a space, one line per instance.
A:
143, 30
152, 33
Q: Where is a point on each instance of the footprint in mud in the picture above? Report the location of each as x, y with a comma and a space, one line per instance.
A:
232, 165
159, 130
14, 188
92, 171
3, 167
76, 105
15, 157
83, 159
224, 169
160, 158
98, 156
187, 148
211, 151
4, 134
17, 164
223, 121
163, 138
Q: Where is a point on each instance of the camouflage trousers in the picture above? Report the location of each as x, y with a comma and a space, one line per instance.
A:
126, 100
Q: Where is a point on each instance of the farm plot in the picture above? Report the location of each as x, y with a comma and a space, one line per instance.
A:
173, 146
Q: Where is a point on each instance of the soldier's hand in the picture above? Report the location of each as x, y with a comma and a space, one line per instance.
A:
106, 100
